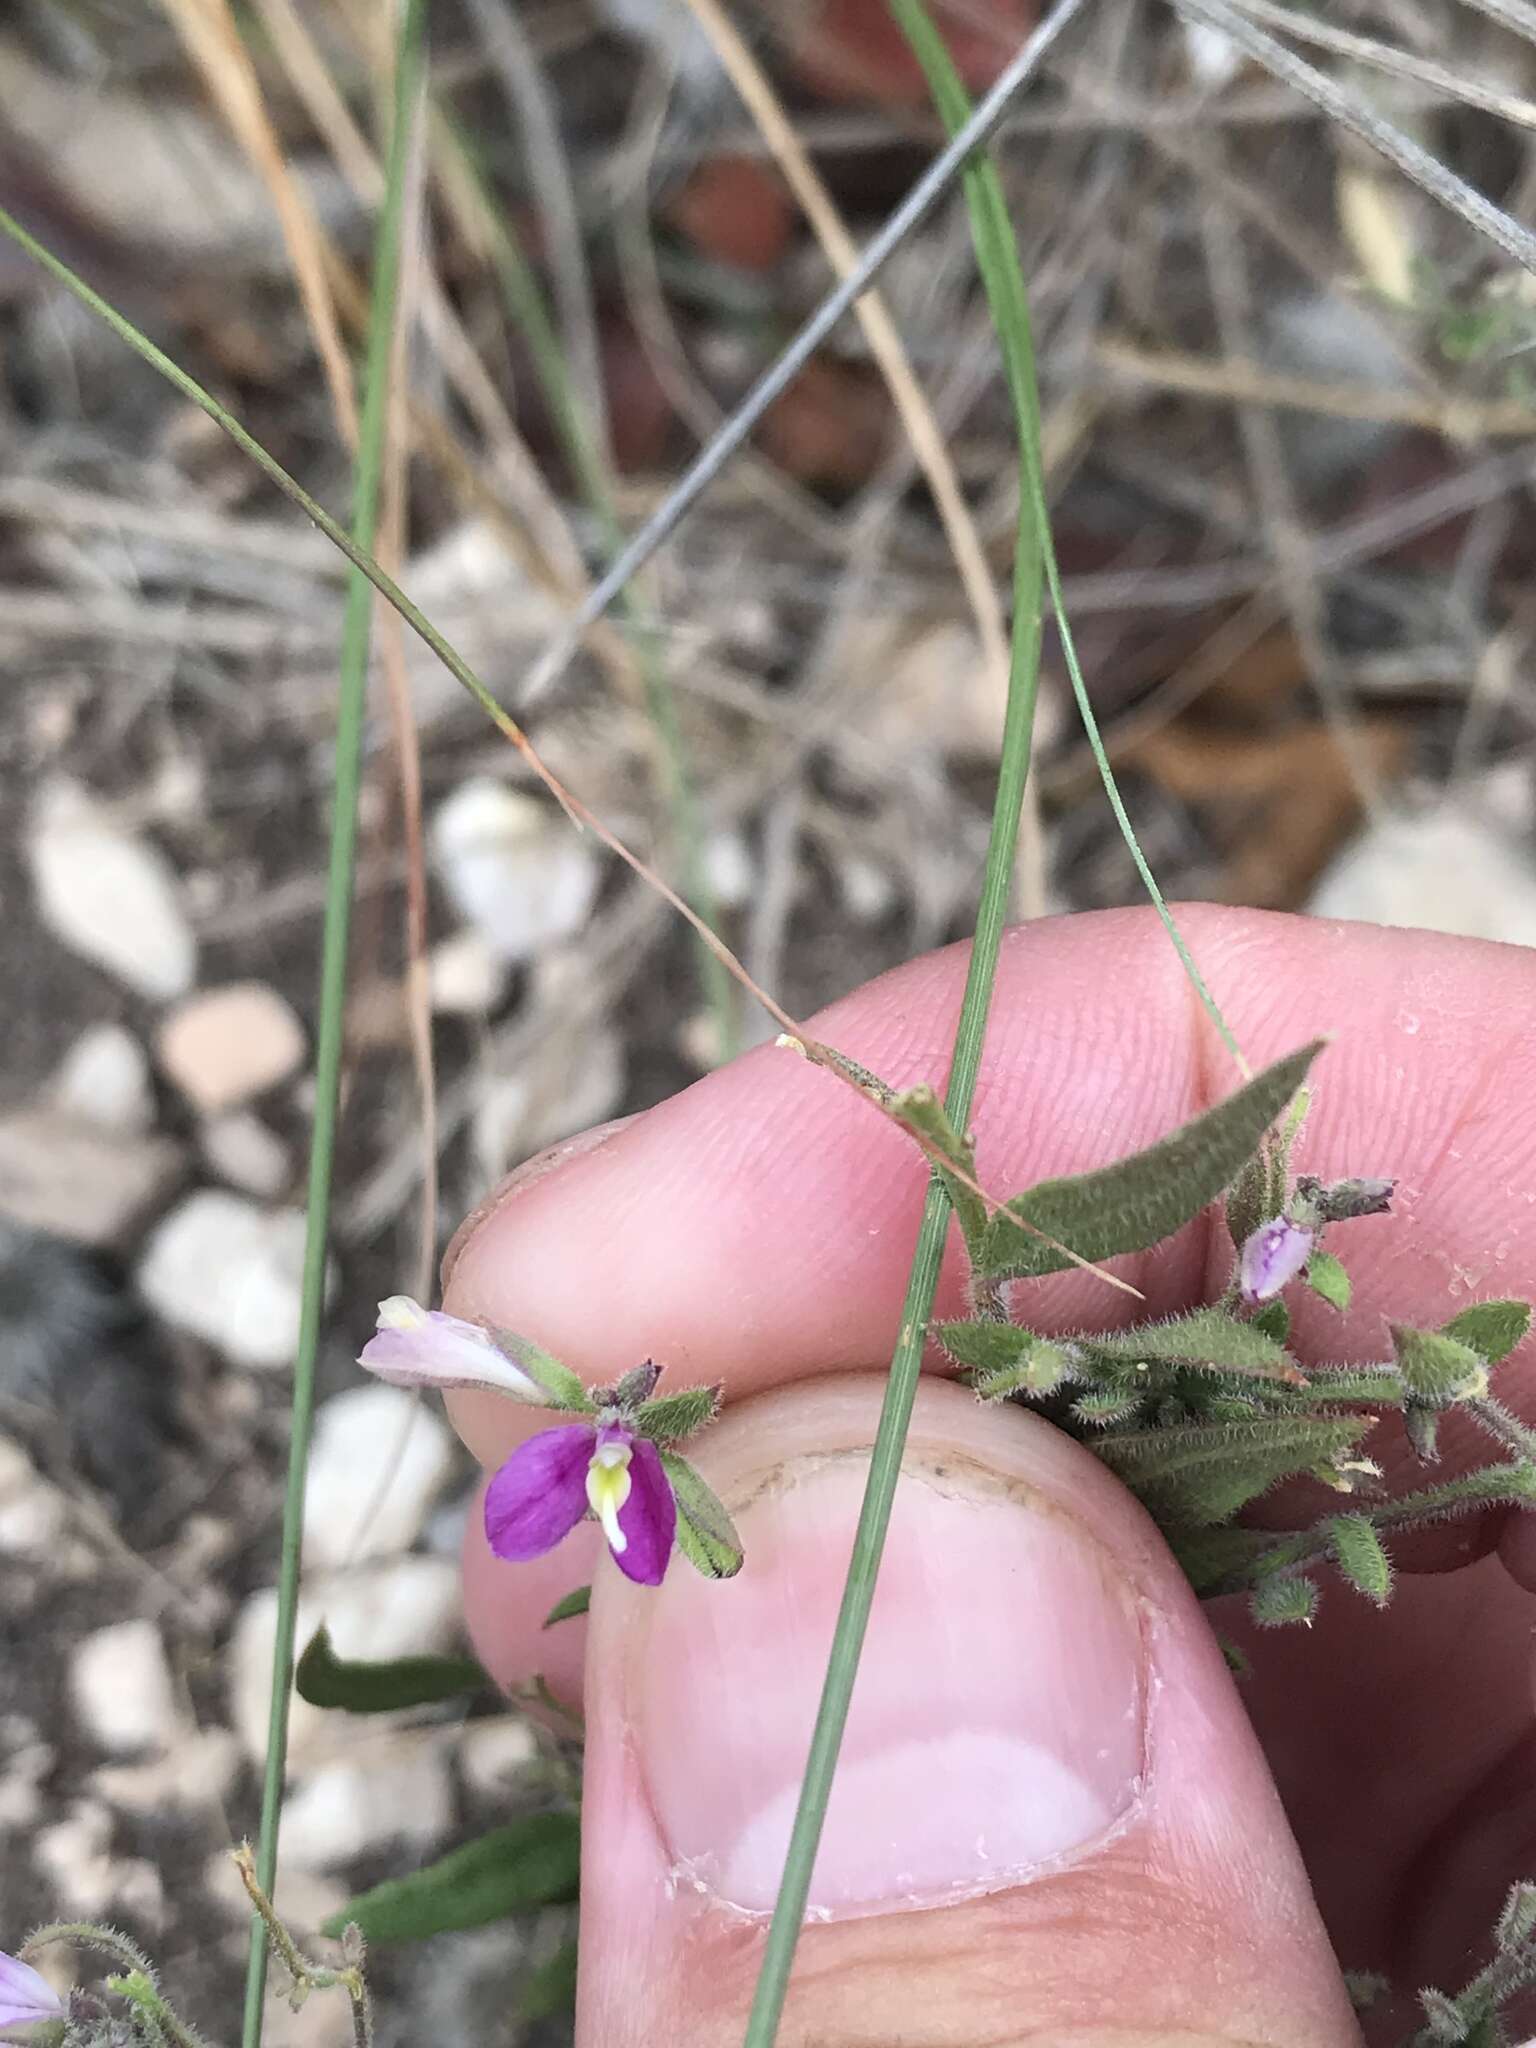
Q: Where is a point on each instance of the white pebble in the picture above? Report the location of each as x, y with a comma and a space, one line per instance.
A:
515, 868
1448, 870
120, 1684
231, 1273
380, 1458
467, 975
222, 1046
396, 1792
243, 1151
107, 894
104, 1080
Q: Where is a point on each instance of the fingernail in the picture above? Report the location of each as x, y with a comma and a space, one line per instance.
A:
538, 1168
998, 1718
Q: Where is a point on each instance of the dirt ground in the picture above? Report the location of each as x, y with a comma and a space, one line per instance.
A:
1287, 404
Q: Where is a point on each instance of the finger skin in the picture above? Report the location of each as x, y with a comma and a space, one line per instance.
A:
757, 1229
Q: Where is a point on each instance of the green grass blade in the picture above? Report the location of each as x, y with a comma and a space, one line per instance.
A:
1011, 316
409, 70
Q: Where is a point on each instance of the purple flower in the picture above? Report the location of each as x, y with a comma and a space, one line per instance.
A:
423, 1347
25, 1997
550, 1482
1271, 1258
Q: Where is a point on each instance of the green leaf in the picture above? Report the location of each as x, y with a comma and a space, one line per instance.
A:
561, 1385
326, 1680
1204, 1472
985, 1346
1517, 1921
1423, 1427
1218, 1560
574, 1603
551, 1989
1491, 1328
1283, 1602
532, 1862
1274, 1319
1141, 1200
1102, 1407
1325, 1275
1360, 1554
1206, 1337
671, 1417
706, 1534
924, 1114
1236, 1662
1040, 1371
1437, 1369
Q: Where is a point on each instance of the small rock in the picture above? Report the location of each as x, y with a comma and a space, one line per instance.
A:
467, 974
514, 867
78, 1180
224, 1045
75, 1856
397, 1791
731, 869
104, 1080
197, 1773
28, 1761
494, 1753
246, 1153
1446, 870
108, 895
406, 1607
231, 1273
33, 1512
121, 1687
380, 1458
1214, 59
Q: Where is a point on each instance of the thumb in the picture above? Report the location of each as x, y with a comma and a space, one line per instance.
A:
1051, 1822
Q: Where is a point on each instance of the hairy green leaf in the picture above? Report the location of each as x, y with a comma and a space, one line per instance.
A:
1325, 1275
559, 1383
1102, 1407
1283, 1602
1274, 1319
1357, 1549
532, 1862
987, 1347
1423, 1427
1490, 1328
1204, 1472
1437, 1369
326, 1680
1517, 1921
1206, 1337
1217, 1560
706, 1534
1249, 1202
574, 1603
1141, 1200
551, 1989
1040, 1371
924, 1114
637, 1385
671, 1417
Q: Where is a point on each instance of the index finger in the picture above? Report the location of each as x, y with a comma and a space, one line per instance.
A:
759, 1226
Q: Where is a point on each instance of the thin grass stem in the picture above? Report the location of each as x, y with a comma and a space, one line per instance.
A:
1010, 312
352, 699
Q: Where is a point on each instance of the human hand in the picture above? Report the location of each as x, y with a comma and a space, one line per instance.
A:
1053, 1821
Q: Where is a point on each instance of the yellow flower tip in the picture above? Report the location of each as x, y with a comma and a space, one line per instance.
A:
399, 1312
608, 1487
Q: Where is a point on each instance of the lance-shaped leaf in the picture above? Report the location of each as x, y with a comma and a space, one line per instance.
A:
706, 1534
1103, 1407
987, 1347
532, 1862
560, 1385
1249, 1199
1218, 1560
326, 1680
1141, 1200
1325, 1275
1204, 1472
1517, 1922
574, 1603
1283, 1602
925, 1116
1437, 1369
1357, 1549
1206, 1337
551, 1989
1491, 1328
671, 1417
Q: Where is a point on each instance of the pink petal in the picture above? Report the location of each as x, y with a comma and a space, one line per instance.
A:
648, 1518
417, 1347
1271, 1258
540, 1494
25, 1997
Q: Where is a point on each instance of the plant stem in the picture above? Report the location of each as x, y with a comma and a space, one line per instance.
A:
1010, 311
409, 70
